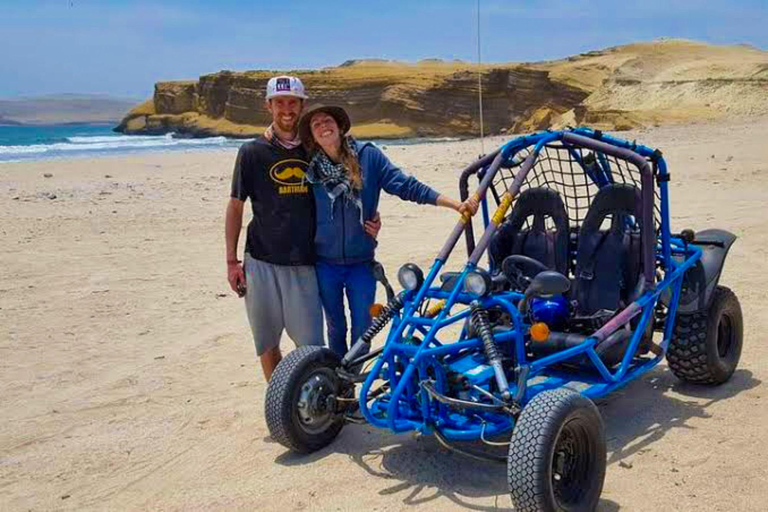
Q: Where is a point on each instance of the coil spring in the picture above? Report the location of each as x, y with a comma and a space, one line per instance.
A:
479, 319
378, 323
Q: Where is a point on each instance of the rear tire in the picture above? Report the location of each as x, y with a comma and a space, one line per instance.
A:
557, 454
300, 404
706, 345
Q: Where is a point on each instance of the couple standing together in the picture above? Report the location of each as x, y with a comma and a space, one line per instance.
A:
314, 193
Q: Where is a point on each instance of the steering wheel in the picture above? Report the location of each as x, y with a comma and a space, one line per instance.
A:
520, 270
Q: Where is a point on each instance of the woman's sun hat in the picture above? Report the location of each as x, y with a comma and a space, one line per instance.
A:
338, 113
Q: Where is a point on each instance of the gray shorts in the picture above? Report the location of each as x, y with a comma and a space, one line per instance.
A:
281, 297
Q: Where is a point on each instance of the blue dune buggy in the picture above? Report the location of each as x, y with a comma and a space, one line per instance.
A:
586, 289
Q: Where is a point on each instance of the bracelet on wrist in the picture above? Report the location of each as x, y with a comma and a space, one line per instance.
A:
233, 262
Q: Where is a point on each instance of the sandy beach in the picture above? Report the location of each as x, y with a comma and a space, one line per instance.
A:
130, 381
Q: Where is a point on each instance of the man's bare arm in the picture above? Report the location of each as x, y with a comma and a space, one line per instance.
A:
233, 223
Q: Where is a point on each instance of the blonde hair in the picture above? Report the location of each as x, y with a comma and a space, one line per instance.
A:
351, 164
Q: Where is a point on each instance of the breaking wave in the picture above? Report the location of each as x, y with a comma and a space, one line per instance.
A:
106, 144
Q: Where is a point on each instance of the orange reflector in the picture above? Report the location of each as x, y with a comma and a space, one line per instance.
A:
375, 310
539, 332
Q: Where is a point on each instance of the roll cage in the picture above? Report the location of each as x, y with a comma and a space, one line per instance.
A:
416, 360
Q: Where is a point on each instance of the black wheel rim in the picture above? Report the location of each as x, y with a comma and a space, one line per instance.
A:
572, 464
314, 406
725, 337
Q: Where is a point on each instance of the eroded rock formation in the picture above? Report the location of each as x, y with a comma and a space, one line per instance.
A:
617, 88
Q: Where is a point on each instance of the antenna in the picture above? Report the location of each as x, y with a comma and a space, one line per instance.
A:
480, 82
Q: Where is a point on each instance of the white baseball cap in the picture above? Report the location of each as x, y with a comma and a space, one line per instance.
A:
285, 86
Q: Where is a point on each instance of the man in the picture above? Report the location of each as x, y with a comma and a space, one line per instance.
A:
277, 277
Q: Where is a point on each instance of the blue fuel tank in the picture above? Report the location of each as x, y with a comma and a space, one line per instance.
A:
552, 311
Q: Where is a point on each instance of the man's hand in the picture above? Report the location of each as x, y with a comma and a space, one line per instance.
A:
233, 221
373, 226
236, 277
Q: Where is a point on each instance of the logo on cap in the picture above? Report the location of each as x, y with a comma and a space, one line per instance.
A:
283, 85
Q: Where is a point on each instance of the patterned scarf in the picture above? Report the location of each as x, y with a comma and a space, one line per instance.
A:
334, 177
272, 137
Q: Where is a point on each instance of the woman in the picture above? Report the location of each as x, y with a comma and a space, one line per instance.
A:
347, 178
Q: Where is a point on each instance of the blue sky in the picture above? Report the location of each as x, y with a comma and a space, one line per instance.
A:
124, 47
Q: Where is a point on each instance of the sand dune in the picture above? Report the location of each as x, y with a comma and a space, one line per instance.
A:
669, 81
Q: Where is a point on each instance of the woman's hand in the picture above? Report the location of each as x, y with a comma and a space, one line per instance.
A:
469, 206
373, 226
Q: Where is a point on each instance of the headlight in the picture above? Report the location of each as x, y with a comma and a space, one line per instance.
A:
410, 276
477, 282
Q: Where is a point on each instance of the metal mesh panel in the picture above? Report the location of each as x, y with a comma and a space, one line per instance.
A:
558, 167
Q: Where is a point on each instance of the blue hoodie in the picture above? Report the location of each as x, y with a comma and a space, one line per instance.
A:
340, 238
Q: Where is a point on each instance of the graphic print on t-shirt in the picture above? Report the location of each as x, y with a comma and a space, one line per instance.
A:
289, 176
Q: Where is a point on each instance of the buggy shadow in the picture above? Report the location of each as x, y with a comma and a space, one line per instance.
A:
586, 289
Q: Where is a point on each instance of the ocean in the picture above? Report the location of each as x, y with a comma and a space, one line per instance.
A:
29, 143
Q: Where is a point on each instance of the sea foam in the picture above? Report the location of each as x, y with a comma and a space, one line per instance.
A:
109, 144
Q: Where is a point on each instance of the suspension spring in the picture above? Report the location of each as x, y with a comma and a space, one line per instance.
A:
363, 343
482, 326
378, 323
479, 319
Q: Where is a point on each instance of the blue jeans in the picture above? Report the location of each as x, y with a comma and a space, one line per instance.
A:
360, 286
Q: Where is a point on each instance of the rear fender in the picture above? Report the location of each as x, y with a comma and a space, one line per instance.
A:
700, 281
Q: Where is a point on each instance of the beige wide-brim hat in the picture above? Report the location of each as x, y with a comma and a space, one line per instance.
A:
338, 113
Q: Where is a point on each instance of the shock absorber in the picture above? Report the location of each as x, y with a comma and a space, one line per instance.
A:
364, 342
479, 319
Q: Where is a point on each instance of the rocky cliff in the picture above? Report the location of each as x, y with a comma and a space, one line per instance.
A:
616, 88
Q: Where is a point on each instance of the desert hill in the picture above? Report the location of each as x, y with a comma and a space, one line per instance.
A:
660, 82
63, 108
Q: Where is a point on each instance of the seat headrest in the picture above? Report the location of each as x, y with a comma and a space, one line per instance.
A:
539, 202
547, 245
617, 198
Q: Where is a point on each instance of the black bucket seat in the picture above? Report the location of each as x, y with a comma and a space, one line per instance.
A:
608, 271
549, 247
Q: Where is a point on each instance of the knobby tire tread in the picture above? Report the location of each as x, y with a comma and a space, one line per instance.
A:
687, 353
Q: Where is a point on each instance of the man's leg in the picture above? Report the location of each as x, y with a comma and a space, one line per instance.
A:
330, 279
302, 311
265, 312
361, 292
269, 361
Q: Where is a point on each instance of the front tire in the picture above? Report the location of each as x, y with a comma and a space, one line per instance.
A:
300, 407
706, 345
557, 454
